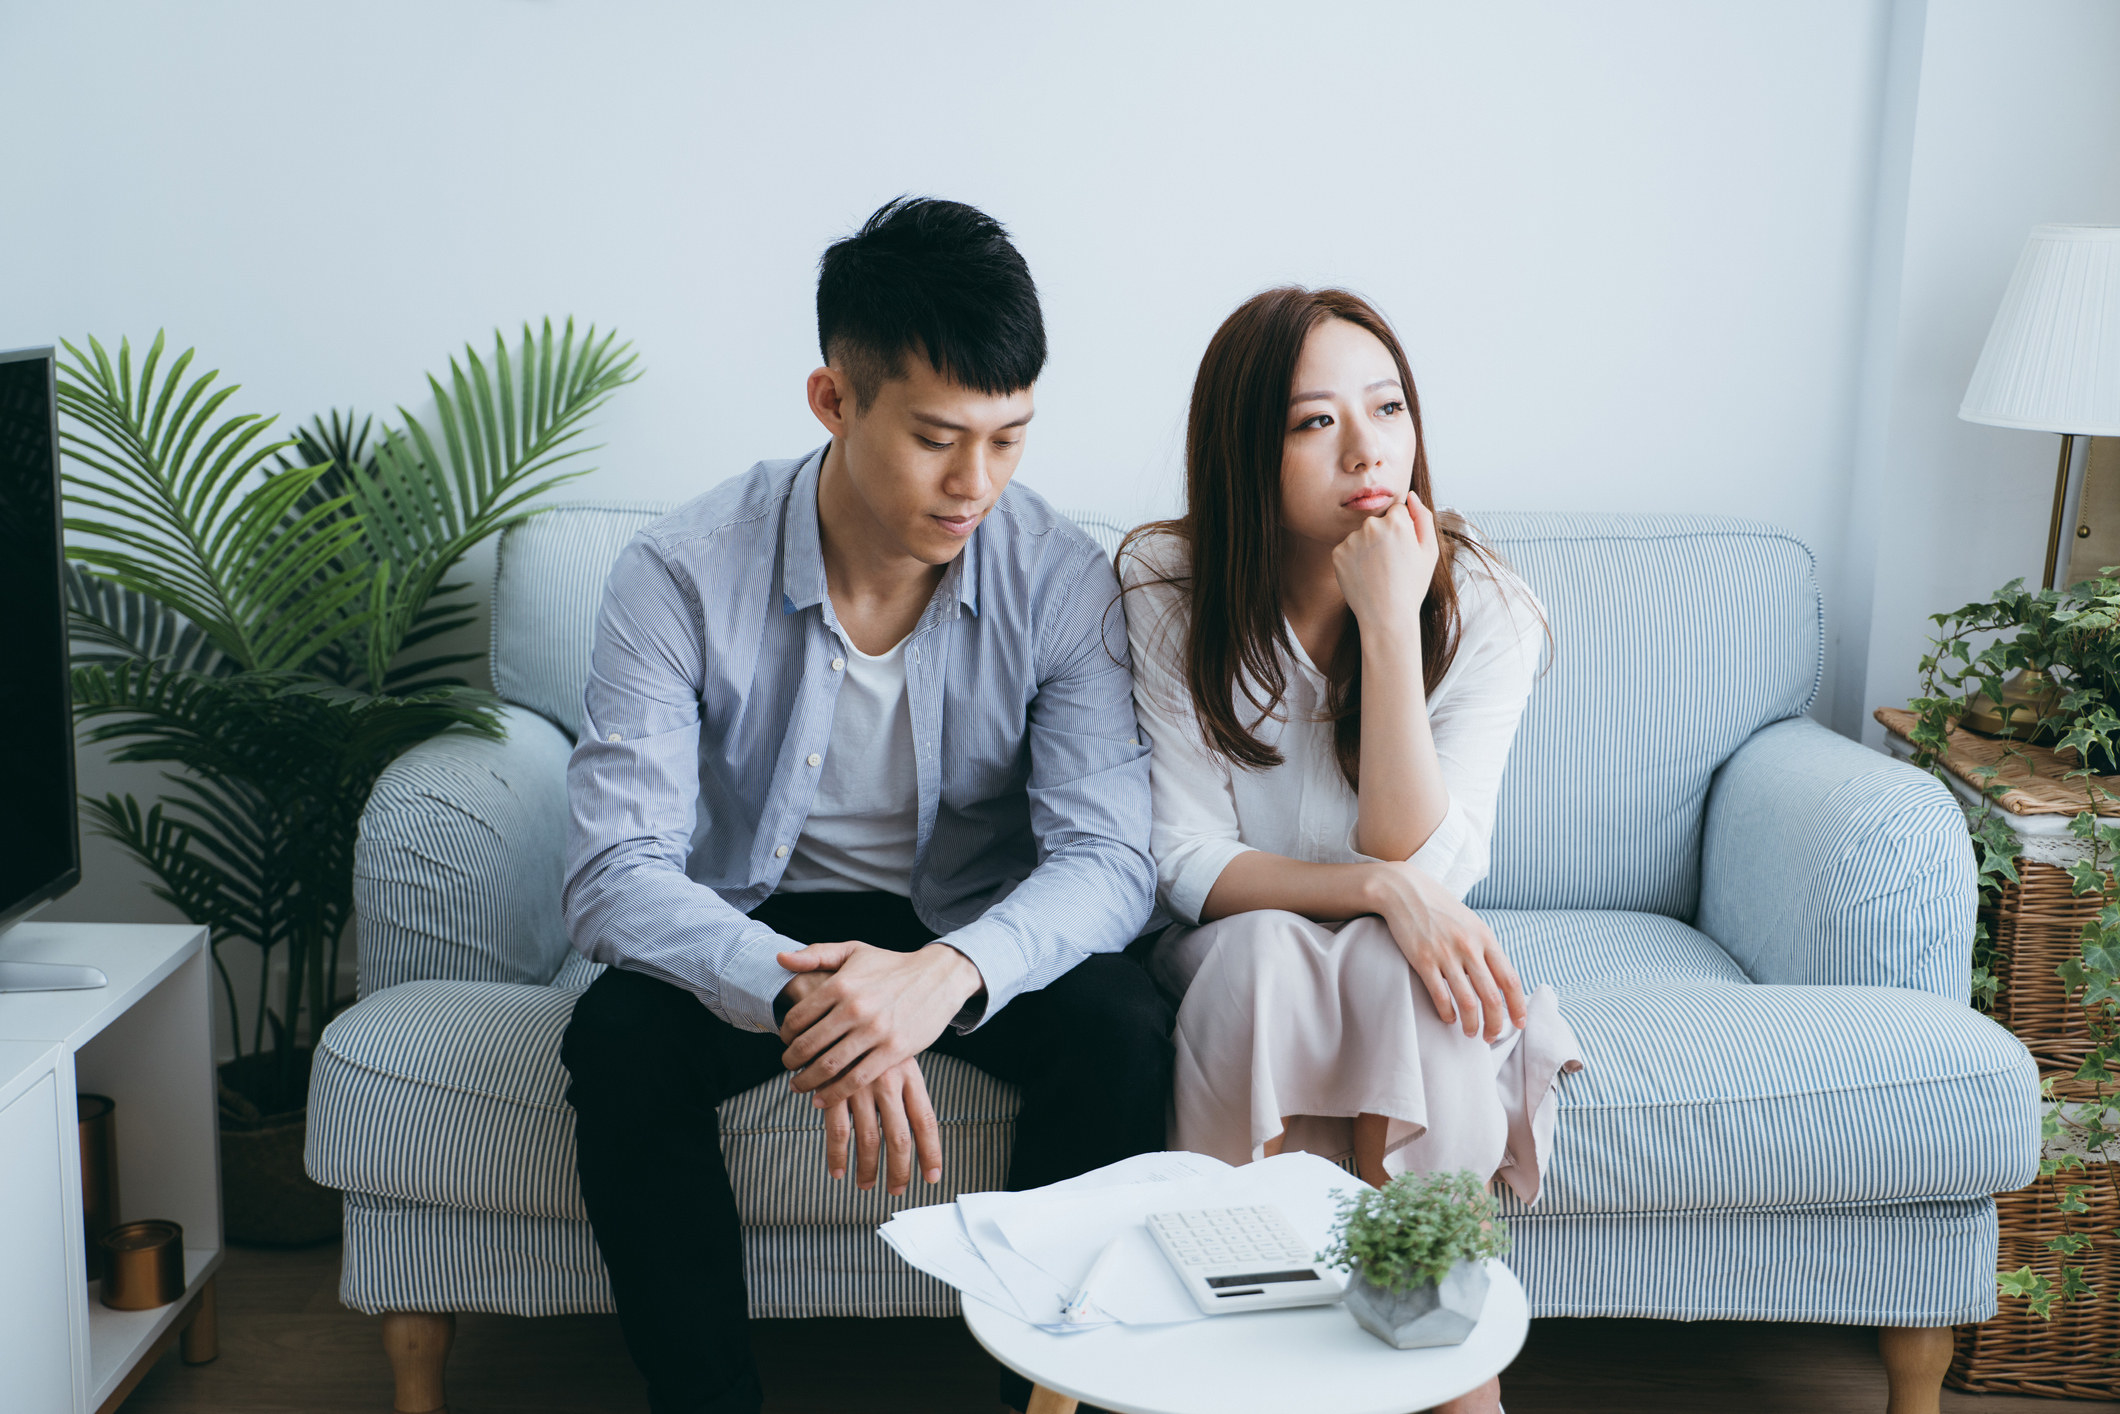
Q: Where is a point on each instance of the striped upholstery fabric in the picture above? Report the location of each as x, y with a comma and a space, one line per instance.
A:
1577, 950
1915, 1264
417, 1257
1794, 1152
1897, 1264
1828, 862
461, 1100
1719, 1095
548, 581
459, 861
1675, 638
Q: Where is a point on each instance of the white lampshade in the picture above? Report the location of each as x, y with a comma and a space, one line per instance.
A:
2052, 359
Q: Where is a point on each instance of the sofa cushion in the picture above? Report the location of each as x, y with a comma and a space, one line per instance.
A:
1729, 1095
452, 1093
548, 583
1576, 950
1675, 638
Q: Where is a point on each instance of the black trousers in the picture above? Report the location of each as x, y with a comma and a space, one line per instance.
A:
648, 1065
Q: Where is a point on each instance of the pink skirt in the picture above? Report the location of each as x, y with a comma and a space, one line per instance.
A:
1295, 1025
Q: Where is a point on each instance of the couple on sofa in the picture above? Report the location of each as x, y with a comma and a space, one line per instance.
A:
864, 771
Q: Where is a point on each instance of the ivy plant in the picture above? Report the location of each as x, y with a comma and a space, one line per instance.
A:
1414, 1229
2073, 636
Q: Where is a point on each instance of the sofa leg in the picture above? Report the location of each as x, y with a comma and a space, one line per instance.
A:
417, 1343
1915, 1358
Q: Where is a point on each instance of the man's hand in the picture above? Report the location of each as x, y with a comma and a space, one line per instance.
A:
878, 1008
1468, 976
892, 1114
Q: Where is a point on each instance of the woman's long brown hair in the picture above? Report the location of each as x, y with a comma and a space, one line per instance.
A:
1232, 528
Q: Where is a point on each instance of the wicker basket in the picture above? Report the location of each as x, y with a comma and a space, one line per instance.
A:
2070, 1356
2036, 925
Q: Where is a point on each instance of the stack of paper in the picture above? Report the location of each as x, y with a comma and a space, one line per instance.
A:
1026, 1253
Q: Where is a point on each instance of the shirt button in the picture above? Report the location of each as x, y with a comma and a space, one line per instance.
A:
839, 665
612, 737
780, 852
815, 758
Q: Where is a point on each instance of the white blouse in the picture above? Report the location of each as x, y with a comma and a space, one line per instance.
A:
1208, 811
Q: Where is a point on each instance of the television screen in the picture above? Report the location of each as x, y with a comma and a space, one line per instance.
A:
40, 840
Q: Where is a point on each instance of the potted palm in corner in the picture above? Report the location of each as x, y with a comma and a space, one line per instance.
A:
1416, 1250
260, 615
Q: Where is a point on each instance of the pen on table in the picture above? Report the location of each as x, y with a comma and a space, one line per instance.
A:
1077, 1309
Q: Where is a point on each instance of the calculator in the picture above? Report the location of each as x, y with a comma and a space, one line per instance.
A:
1243, 1259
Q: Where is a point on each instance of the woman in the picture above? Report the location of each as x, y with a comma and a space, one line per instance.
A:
1330, 675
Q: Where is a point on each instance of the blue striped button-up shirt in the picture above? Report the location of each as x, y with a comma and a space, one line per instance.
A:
717, 662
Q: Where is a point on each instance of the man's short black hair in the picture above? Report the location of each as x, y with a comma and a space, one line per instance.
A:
933, 277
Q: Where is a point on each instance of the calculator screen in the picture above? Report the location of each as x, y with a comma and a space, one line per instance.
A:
1257, 1278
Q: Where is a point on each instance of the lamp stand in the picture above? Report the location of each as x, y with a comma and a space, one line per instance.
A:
2031, 696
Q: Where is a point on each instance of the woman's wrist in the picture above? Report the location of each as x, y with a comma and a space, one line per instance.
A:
1397, 633
1373, 886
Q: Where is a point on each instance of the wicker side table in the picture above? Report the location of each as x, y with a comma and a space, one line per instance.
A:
2034, 925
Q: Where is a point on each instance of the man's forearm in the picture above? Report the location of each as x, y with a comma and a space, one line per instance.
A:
648, 918
1093, 896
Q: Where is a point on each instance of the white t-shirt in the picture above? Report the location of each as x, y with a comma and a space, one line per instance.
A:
864, 822
1207, 811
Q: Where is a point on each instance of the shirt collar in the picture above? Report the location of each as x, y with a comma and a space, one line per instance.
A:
802, 555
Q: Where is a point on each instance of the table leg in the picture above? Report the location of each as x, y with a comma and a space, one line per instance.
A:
1044, 1401
201, 1341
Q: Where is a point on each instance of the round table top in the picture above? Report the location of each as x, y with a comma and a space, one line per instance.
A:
1309, 1358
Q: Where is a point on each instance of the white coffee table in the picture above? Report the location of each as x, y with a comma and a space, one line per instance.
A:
1314, 1359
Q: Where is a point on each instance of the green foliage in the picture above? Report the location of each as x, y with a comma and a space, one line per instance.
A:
247, 611
2073, 635
1415, 1228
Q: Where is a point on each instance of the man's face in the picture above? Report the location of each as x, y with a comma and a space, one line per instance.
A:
928, 458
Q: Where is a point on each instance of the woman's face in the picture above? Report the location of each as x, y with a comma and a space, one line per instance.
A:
1348, 450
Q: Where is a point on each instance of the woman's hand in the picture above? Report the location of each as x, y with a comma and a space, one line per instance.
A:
1386, 565
1467, 974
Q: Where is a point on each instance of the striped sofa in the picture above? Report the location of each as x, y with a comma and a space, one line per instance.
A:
1759, 931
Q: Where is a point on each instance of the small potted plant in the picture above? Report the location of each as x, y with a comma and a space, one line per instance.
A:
1416, 1250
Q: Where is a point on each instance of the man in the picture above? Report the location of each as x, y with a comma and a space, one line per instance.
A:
858, 777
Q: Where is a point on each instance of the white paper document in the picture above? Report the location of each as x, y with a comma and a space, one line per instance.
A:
1026, 1253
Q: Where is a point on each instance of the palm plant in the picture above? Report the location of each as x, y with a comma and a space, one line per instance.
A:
249, 611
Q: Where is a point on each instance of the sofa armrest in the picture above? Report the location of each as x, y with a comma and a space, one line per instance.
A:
461, 854
1823, 861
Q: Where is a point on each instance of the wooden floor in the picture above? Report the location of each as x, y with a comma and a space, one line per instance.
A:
288, 1347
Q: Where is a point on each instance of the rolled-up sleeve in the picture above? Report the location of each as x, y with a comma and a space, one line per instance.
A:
633, 801
1094, 887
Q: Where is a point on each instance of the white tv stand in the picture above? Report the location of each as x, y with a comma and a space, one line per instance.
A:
145, 1040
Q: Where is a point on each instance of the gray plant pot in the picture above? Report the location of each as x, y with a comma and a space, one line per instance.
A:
1437, 1313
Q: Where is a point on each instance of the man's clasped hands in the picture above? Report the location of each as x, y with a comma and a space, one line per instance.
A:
857, 1019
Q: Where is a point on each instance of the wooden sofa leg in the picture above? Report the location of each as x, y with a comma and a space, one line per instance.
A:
1915, 1358
417, 1343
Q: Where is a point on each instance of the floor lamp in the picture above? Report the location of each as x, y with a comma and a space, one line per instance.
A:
2051, 364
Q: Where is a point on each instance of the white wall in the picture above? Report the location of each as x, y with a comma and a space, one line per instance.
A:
2017, 122
1630, 246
